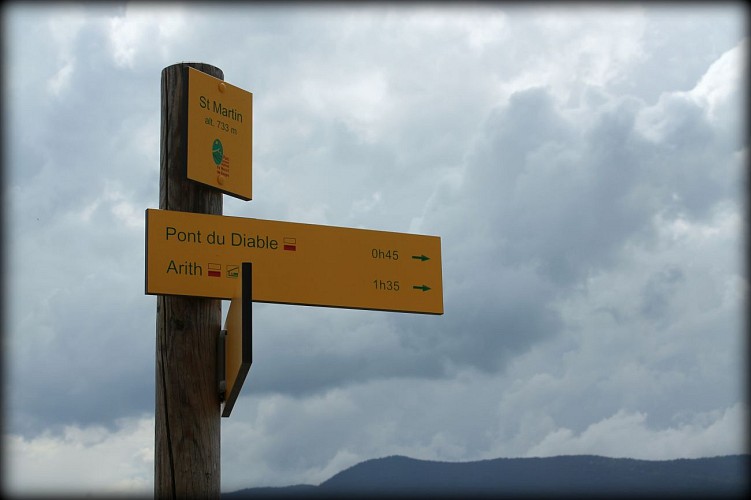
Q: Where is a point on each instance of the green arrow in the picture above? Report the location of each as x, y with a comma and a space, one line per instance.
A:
424, 288
421, 257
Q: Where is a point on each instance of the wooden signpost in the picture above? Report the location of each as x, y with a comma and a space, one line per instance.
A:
195, 256
187, 423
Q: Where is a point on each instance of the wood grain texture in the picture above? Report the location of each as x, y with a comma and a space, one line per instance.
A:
187, 426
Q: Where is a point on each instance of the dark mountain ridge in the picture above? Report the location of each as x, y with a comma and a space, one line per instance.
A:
569, 475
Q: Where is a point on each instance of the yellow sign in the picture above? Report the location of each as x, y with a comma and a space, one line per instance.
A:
220, 134
238, 349
293, 263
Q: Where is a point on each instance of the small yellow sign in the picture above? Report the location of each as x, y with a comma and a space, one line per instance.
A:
238, 348
220, 134
293, 263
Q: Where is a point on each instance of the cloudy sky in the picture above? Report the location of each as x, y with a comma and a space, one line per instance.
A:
583, 166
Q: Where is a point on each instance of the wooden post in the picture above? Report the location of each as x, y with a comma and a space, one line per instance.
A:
187, 430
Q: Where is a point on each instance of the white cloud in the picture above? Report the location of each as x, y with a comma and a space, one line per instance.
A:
60, 80
569, 49
718, 94
83, 460
365, 205
142, 32
119, 204
627, 434
64, 29
356, 99
723, 79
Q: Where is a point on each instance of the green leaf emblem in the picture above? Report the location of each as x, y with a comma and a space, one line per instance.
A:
217, 151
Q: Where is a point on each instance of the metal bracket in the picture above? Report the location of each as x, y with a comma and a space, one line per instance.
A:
221, 375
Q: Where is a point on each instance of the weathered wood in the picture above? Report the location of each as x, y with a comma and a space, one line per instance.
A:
187, 429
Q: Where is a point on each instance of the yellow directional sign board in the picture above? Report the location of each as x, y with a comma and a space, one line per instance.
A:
238, 347
293, 263
220, 134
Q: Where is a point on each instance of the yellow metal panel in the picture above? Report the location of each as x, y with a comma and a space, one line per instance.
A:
238, 349
220, 134
293, 263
